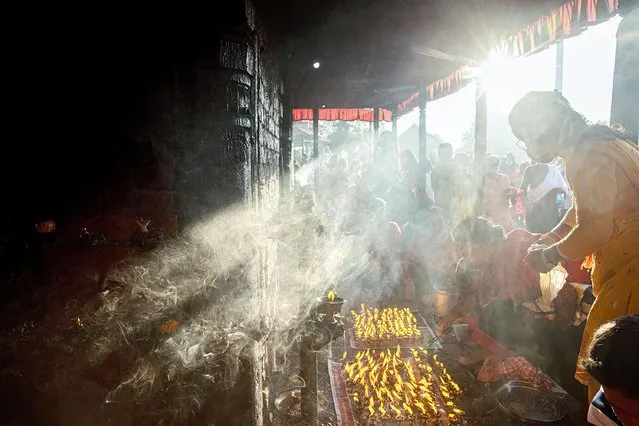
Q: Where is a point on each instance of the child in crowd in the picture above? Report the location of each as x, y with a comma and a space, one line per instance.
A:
613, 360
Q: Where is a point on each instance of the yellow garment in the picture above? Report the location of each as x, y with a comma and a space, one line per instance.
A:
605, 180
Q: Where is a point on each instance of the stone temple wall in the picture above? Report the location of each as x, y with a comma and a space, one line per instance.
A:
207, 137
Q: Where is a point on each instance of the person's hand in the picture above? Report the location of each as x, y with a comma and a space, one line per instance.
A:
536, 260
544, 242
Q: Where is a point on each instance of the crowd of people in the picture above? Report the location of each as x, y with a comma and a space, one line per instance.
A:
572, 213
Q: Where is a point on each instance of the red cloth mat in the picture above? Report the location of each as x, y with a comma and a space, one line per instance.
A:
341, 400
514, 368
508, 363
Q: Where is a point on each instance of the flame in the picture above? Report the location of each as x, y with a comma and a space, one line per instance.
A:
331, 295
401, 387
389, 323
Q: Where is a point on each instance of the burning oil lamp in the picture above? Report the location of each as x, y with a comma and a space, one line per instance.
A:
328, 306
320, 330
385, 384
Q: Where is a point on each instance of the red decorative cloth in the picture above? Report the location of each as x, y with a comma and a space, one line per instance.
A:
342, 114
576, 273
513, 368
566, 20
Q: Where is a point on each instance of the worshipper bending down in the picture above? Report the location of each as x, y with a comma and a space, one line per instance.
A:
543, 184
493, 283
602, 168
501, 296
612, 359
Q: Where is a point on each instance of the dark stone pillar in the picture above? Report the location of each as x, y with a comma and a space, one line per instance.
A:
481, 143
230, 137
423, 154
315, 133
215, 158
376, 124
625, 90
559, 67
395, 135
287, 162
215, 93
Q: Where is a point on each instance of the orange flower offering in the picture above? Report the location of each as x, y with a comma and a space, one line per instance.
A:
169, 327
388, 327
383, 386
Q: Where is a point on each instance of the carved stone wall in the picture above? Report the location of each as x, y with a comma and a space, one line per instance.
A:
209, 138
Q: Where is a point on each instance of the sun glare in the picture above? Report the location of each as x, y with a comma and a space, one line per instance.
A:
498, 76
497, 71
507, 78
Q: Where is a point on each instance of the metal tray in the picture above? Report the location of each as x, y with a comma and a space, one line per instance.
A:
289, 402
529, 403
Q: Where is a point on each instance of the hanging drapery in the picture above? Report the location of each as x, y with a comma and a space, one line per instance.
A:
567, 20
342, 114
439, 89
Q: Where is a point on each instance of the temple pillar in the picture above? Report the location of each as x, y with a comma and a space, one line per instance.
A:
625, 89
481, 144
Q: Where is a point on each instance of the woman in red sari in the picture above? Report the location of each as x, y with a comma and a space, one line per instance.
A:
499, 298
494, 283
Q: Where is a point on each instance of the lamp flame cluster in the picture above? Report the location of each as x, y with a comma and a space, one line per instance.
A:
387, 327
383, 385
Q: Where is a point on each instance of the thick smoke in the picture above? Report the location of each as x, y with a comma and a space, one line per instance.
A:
182, 315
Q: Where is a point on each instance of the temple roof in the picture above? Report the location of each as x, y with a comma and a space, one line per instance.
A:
374, 52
